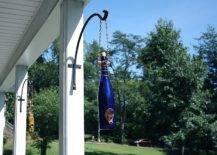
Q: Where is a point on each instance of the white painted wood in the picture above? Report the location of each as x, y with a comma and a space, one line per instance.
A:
16, 11
19, 147
2, 120
15, 18
42, 31
32, 3
14, 21
71, 123
17, 6
45, 36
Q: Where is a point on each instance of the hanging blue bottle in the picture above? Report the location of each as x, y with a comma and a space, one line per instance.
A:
106, 97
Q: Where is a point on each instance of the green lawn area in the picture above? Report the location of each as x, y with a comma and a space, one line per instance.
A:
94, 149
53, 150
104, 149
117, 149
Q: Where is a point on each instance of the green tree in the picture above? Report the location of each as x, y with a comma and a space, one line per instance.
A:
207, 48
175, 81
44, 73
10, 102
44, 76
91, 80
125, 49
46, 117
123, 55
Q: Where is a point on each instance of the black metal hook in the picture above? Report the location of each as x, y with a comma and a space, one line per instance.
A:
20, 98
75, 66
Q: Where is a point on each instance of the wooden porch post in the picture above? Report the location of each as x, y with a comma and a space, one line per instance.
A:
19, 147
71, 123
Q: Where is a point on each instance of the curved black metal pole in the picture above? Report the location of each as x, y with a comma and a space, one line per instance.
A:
74, 65
21, 96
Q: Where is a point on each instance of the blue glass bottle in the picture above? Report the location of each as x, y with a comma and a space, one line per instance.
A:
106, 97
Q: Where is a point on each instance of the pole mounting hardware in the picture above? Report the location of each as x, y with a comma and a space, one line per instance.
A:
74, 65
20, 98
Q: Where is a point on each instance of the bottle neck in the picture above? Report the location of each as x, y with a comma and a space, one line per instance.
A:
104, 70
104, 65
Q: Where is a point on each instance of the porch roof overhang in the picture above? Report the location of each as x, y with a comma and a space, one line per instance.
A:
27, 27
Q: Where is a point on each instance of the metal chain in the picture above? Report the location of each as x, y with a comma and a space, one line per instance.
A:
107, 36
100, 34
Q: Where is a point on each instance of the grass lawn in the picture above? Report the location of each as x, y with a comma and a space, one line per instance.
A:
53, 150
104, 149
93, 149
116, 149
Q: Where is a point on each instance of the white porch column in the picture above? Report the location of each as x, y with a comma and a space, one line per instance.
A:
2, 120
71, 123
19, 147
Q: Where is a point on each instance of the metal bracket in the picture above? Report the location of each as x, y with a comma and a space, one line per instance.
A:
20, 98
21, 101
74, 66
73, 63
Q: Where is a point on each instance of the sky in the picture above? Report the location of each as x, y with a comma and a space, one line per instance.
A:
138, 17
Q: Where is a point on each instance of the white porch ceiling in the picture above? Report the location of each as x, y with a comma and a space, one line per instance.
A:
15, 17
21, 21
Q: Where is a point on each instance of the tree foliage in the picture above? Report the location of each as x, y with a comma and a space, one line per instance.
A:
159, 90
162, 93
91, 76
176, 98
44, 76
207, 48
46, 110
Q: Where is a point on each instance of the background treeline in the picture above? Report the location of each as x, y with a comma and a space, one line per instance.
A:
163, 93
